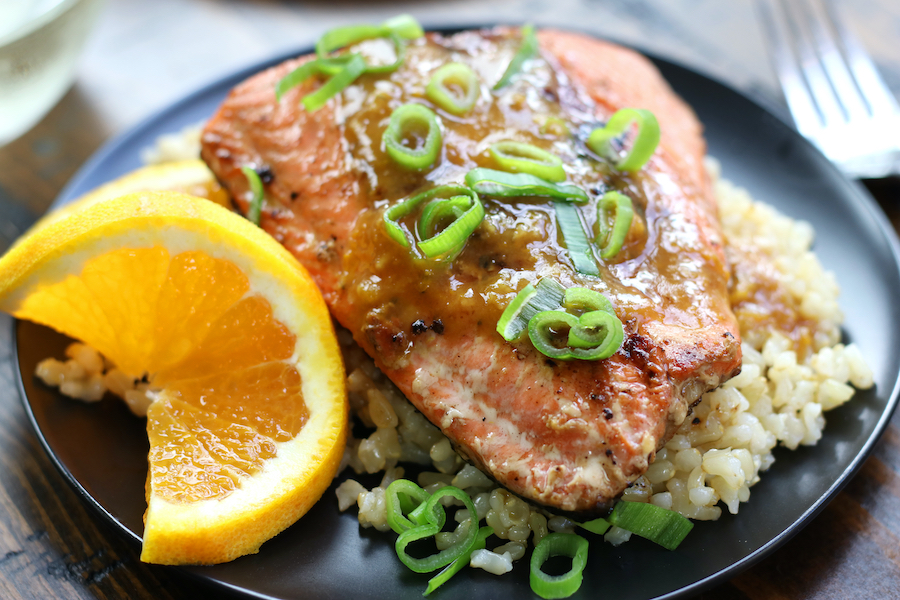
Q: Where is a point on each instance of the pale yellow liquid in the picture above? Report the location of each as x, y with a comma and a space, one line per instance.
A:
39, 46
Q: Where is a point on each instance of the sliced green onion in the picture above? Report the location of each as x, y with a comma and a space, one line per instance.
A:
490, 182
456, 201
256, 188
597, 335
404, 120
527, 49
598, 526
318, 66
396, 29
436, 517
435, 215
620, 209
643, 146
399, 57
558, 544
442, 88
401, 497
546, 295
453, 568
341, 37
545, 327
664, 527
403, 26
355, 67
518, 157
569, 221
449, 242
579, 300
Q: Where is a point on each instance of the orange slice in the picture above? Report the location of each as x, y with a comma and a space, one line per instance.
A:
249, 420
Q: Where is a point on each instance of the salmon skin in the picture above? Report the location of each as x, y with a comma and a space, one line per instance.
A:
568, 435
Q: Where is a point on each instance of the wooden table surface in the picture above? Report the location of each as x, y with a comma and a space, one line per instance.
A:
145, 55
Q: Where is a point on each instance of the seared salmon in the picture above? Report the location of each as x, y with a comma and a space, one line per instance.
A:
570, 435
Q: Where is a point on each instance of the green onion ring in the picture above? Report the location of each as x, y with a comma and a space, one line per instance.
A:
441, 94
401, 497
438, 210
664, 527
597, 526
621, 209
517, 157
548, 294
256, 188
449, 242
546, 325
402, 118
569, 221
405, 26
597, 335
558, 544
527, 49
642, 147
489, 182
355, 67
436, 517
579, 300
402, 26
453, 568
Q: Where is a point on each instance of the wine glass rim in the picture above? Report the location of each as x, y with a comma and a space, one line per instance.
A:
38, 21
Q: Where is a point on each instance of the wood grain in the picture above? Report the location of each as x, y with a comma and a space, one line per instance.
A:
142, 58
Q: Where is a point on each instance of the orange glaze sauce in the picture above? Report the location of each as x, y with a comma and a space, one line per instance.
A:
518, 241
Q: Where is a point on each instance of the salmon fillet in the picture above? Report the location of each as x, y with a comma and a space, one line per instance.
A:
570, 435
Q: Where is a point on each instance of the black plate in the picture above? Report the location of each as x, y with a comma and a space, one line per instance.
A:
326, 555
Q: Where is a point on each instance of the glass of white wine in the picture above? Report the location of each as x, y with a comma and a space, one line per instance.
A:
40, 41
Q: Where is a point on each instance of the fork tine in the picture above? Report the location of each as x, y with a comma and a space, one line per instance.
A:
875, 92
845, 88
819, 85
799, 101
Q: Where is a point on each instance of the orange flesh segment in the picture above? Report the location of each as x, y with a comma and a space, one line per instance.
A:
229, 390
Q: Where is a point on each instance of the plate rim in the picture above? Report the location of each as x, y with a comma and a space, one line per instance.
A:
135, 132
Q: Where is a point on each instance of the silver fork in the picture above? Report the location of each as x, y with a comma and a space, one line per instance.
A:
833, 90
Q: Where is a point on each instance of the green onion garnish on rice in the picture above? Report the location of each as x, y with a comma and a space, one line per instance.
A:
435, 517
454, 87
417, 124
527, 49
256, 188
598, 526
618, 209
401, 498
518, 157
664, 527
558, 544
456, 566
500, 184
643, 146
